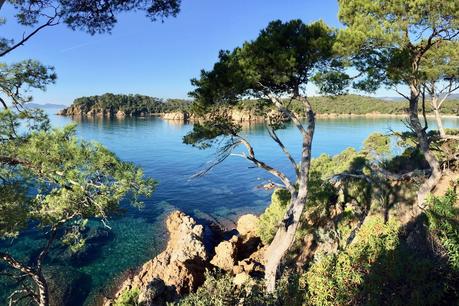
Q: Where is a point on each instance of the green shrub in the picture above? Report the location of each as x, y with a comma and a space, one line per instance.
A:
128, 297
443, 223
219, 290
273, 214
336, 279
378, 268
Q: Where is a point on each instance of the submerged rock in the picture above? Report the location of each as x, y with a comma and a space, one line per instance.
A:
67, 286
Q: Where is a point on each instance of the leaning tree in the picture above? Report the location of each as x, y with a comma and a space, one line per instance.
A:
48, 178
441, 73
388, 41
275, 68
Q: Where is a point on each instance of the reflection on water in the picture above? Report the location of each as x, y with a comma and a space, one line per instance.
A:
225, 193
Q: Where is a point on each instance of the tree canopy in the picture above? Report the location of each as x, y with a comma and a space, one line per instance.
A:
49, 178
388, 39
389, 42
92, 16
276, 67
282, 60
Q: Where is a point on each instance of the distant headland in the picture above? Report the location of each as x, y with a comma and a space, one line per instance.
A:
121, 105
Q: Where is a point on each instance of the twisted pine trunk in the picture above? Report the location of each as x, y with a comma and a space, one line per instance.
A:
285, 234
421, 134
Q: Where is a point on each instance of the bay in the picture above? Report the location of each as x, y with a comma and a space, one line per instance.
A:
226, 192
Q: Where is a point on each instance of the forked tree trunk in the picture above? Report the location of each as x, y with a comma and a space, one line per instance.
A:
285, 234
421, 134
42, 298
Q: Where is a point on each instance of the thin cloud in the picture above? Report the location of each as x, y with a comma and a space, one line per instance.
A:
77, 47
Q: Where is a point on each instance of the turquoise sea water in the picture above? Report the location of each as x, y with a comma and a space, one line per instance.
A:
226, 192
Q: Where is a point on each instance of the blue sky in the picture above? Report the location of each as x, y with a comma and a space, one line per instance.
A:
155, 58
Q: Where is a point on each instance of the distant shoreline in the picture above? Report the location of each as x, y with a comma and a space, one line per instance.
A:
171, 117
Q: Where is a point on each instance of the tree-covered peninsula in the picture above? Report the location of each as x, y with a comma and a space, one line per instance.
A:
121, 105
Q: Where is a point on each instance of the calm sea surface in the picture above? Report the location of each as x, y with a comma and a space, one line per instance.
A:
226, 192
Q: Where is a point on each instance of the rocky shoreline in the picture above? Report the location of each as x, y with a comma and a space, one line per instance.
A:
237, 115
180, 268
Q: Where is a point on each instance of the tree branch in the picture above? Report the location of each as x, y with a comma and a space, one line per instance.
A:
251, 157
274, 136
400, 93
17, 265
51, 22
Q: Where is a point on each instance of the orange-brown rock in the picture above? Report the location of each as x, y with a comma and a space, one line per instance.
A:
180, 266
225, 254
247, 225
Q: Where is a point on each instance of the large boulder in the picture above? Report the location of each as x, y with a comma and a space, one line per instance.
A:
180, 266
249, 240
226, 254
247, 225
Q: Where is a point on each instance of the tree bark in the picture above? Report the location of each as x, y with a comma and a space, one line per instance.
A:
43, 291
285, 234
441, 129
421, 134
37, 276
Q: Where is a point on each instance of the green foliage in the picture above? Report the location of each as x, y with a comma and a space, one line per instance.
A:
443, 223
131, 105
92, 17
377, 145
219, 290
389, 39
128, 297
380, 268
204, 135
349, 104
271, 217
279, 62
349, 160
337, 279
71, 179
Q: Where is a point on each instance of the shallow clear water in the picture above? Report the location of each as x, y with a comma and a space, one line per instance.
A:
225, 193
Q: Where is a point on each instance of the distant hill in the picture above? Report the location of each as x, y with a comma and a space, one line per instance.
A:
45, 106
395, 98
123, 105
137, 105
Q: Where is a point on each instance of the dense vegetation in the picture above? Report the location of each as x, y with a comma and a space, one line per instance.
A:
382, 262
358, 228
136, 105
133, 105
52, 183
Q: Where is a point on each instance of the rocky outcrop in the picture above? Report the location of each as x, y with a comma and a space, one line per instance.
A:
179, 269
243, 254
183, 116
226, 254
247, 225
